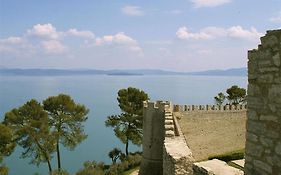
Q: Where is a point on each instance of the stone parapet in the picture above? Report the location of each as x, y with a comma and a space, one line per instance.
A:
177, 157
186, 108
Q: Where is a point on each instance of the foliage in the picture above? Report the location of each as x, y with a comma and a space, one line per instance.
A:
236, 95
114, 155
29, 124
91, 168
6, 146
60, 172
228, 156
220, 98
66, 118
130, 162
128, 125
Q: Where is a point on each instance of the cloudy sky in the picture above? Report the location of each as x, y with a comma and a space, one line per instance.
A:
178, 35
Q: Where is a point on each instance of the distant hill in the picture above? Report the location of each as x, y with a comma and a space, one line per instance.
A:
227, 72
137, 72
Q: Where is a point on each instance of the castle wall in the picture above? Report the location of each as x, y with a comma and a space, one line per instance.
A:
165, 151
205, 108
177, 157
263, 144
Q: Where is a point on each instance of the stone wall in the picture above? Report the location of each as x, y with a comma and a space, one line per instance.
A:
184, 108
263, 144
177, 157
165, 151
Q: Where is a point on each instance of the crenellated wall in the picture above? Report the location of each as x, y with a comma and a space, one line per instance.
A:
185, 108
165, 151
263, 144
177, 157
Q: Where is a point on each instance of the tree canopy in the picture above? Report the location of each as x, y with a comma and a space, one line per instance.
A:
128, 125
30, 128
235, 95
66, 119
6, 146
220, 98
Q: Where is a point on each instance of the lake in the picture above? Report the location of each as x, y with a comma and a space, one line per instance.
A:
99, 93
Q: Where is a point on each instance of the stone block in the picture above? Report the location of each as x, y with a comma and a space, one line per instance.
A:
278, 148
276, 59
262, 165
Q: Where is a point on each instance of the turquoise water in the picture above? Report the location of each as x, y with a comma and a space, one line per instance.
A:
99, 94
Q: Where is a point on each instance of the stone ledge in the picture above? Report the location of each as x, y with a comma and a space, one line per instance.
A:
215, 167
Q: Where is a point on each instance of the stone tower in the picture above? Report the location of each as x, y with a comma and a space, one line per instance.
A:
263, 144
153, 137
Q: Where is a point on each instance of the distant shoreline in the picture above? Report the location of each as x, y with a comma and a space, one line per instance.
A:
137, 72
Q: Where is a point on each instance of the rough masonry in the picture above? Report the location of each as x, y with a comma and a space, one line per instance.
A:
263, 137
165, 151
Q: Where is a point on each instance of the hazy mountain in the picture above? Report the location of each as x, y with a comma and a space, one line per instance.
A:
65, 72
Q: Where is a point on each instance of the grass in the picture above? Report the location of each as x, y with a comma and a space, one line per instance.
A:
233, 155
131, 171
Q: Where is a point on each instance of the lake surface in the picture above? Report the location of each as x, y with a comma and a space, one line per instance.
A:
99, 94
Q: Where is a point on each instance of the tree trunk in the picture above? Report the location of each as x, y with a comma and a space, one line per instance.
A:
50, 167
127, 146
58, 155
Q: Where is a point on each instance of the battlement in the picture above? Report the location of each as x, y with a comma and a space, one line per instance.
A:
158, 105
186, 108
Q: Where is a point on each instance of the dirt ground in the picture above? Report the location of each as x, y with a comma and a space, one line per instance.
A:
213, 133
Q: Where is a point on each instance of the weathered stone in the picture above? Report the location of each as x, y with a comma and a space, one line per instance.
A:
262, 165
252, 115
254, 149
278, 148
276, 59
266, 142
251, 137
265, 78
269, 118
263, 141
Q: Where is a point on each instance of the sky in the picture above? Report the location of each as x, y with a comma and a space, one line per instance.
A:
177, 35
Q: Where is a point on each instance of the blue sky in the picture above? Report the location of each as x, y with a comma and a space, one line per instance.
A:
178, 35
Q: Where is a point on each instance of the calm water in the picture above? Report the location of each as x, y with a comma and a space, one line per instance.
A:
99, 94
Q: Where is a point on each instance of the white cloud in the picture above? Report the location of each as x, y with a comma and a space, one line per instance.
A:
184, 33
53, 47
44, 31
12, 40
209, 3
215, 32
119, 38
82, 33
239, 32
276, 19
132, 10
